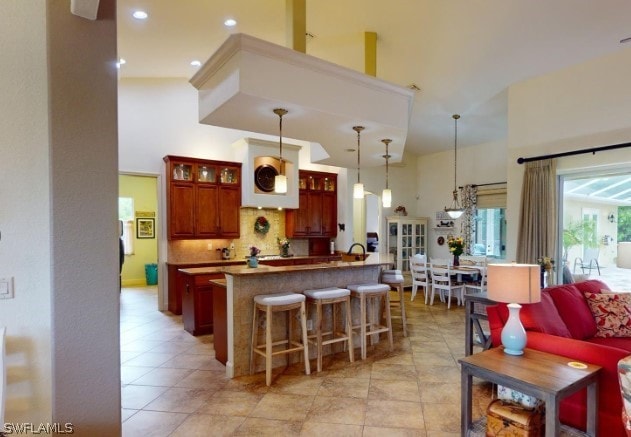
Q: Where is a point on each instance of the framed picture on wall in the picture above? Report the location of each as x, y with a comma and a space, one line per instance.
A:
145, 228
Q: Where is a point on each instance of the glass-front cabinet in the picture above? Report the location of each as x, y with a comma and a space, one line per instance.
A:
407, 236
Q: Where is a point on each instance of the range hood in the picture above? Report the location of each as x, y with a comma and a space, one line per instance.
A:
260, 162
246, 78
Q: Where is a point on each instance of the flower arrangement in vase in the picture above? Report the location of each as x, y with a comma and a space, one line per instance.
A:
456, 247
284, 245
253, 261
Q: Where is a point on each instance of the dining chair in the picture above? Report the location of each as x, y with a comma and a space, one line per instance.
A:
479, 282
444, 284
420, 276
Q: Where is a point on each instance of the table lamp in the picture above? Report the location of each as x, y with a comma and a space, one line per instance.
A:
514, 284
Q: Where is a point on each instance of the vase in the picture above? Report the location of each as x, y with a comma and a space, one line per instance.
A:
253, 262
456, 260
284, 251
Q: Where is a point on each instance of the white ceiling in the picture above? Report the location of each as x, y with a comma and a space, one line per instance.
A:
463, 54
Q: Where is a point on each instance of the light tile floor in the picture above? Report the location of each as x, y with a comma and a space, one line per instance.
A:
172, 385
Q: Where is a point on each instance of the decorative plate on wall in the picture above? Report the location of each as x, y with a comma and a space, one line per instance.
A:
440, 240
264, 177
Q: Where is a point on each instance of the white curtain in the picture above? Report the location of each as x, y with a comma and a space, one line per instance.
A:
128, 237
538, 215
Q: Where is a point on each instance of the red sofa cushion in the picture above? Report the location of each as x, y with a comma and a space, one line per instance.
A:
539, 317
612, 313
591, 286
573, 309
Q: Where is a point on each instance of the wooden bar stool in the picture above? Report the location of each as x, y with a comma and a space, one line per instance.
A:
394, 278
270, 304
369, 318
331, 296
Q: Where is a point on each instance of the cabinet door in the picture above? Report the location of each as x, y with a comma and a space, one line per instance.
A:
229, 204
299, 217
181, 212
329, 214
207, 219
203, 309
314, 202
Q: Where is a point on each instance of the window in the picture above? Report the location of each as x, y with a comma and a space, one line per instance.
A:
126, 216
490, 231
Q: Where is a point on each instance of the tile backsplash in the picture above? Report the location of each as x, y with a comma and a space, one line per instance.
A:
193, 251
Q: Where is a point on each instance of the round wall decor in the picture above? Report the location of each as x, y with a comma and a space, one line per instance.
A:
440, 240
264, 177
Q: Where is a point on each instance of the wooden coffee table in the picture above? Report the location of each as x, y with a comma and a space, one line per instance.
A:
539, 374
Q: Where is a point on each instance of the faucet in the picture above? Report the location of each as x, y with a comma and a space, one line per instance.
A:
363, 251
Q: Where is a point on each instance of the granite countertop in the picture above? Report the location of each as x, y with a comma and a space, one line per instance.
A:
374, 259
224, 262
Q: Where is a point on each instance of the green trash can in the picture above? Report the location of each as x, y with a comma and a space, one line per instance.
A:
151, 274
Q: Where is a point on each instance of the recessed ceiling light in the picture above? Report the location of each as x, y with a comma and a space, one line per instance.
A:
230, 22
196, 63
140, 15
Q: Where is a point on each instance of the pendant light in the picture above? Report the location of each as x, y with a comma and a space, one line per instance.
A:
280, 180
358, 188
386, 195
455, 210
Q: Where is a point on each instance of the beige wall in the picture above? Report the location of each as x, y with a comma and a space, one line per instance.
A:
58, 172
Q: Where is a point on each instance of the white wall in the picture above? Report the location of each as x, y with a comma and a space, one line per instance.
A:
575, 108
59, 229
481, 164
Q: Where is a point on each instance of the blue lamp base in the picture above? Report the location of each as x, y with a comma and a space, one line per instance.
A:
513, 334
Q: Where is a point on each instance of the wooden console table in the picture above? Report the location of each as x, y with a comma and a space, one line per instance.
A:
539, 374
472, 321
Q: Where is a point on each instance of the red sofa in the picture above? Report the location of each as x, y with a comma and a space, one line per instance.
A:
563, 324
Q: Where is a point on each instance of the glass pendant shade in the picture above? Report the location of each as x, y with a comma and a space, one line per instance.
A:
280, 184
386, 194
358, 191
455, 210
358, 188
280, 180
386, 198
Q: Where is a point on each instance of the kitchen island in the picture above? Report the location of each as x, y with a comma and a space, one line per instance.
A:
243, 283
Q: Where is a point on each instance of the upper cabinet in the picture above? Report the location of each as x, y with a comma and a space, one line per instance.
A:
317, 212
203, 198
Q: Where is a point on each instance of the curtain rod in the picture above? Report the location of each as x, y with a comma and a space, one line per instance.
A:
484, 185
593, 150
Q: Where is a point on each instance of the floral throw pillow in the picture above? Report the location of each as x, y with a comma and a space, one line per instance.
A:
612, 312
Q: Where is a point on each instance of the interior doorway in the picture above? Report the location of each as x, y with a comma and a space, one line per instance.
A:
138, 210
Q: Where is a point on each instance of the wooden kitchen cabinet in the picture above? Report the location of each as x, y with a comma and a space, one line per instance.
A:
197, 303
316, 215
203, 198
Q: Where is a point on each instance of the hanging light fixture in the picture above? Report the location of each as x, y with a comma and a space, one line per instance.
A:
386, 195
280, 180
455, 210
358, 188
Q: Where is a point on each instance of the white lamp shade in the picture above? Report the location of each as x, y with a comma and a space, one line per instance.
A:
358, 191
514, 283
386, 198
280, 184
